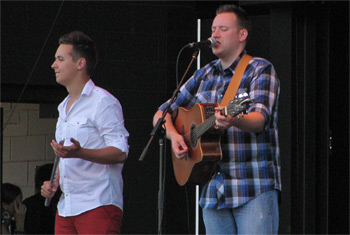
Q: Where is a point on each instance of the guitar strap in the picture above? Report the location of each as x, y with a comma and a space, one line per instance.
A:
235, 80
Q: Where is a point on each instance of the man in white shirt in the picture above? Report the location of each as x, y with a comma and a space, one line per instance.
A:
94, 145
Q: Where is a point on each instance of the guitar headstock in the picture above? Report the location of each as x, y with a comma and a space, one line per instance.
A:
239, 105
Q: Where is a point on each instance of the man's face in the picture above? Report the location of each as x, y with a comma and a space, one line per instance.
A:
64, 65
11, 207
227, 32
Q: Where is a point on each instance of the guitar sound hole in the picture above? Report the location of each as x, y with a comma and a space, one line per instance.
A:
193, 136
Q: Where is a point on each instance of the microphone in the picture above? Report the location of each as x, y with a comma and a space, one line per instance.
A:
210, 42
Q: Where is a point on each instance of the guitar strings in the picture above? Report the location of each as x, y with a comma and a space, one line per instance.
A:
200, 129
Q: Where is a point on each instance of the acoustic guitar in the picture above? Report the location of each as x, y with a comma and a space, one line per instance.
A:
196, 125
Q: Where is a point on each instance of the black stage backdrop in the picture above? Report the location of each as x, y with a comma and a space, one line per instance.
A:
138, 42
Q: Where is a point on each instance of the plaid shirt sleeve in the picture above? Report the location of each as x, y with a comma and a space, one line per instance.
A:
264, 89
185, 96
200, 88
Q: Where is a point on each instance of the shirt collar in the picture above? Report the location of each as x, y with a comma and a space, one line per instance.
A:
232, 67
89, 86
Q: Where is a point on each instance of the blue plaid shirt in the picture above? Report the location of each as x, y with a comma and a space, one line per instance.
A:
251, 162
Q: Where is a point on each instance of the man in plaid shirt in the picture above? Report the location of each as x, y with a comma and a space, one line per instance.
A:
242, 195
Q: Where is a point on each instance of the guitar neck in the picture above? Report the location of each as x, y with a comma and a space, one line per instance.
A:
232, 109
204, 126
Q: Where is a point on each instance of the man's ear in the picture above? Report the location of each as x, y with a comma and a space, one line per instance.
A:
81, 63
243, 35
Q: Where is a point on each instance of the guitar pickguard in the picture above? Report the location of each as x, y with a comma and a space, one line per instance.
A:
209, 111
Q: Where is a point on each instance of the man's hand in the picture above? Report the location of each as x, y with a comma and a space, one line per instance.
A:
47, 190
66, 151
178, 145
20, 214
222, 122
250, 122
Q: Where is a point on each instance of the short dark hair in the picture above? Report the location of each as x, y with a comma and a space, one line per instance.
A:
9, 192
243, 19
83, 46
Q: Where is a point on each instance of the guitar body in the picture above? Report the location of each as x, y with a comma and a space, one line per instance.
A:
204, 151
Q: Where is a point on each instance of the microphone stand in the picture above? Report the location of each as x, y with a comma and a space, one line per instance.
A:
161, 135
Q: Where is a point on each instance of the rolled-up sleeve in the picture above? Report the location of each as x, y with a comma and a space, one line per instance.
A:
264, 90
110, 123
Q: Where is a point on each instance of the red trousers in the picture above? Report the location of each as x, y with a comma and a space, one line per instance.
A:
101, 220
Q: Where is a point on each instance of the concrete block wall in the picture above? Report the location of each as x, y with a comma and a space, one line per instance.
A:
26, 144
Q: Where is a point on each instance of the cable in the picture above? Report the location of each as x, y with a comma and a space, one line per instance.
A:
36, 62
177, 64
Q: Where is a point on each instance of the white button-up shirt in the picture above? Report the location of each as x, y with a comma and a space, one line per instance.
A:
96, 121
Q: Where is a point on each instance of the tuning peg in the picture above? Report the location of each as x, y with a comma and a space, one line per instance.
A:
244, 95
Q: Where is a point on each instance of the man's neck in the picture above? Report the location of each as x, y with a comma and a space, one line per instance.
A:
76, 88
225, 64
228, 60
